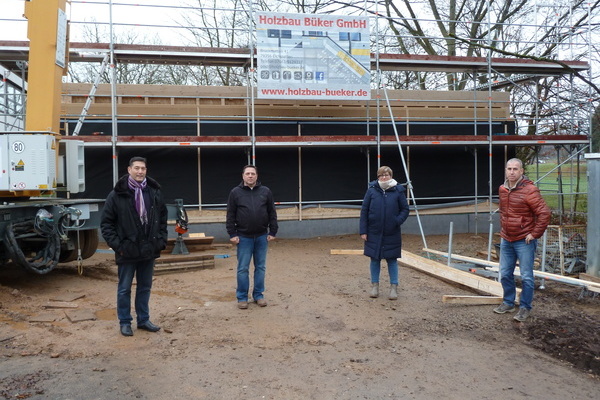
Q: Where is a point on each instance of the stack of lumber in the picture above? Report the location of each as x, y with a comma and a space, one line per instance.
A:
197, 244
183, 263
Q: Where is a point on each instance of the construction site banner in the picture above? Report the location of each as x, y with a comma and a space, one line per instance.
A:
313, 57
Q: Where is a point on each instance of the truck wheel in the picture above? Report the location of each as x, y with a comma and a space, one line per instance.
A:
67, 255
88, 240
90, 243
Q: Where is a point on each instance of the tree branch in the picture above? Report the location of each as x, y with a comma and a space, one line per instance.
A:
535, 58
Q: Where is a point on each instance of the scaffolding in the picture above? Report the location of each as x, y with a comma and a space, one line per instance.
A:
562, 130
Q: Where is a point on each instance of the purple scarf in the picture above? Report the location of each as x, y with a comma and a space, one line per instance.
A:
140, 206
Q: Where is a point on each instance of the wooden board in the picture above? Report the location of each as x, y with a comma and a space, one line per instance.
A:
450, 274
474, 300
60, 304
232, 102
349, 251
183, 264
589, 277
494, 266
193, 240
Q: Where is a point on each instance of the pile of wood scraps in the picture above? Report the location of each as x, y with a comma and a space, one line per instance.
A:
200, 255
66, 303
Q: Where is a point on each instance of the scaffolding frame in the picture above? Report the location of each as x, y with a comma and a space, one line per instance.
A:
13, 51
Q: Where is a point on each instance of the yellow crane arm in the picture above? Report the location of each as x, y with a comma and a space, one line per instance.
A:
47, 33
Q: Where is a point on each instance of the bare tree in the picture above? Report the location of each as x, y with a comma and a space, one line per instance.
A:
150, 74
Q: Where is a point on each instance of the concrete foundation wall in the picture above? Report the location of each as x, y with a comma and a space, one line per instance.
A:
432, 225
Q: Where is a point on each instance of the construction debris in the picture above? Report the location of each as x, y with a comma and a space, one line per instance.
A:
80, 315
44, 317
566, 249
67, 297
60, 304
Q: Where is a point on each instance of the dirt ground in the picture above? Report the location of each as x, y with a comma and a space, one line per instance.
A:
321, 336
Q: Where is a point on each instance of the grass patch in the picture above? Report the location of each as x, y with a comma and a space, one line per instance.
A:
552, 184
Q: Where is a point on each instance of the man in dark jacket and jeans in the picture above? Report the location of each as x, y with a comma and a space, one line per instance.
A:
134, 225
251, 223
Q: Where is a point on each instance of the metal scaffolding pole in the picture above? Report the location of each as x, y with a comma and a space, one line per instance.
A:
113, 98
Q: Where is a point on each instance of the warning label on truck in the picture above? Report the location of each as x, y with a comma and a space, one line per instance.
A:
20, 166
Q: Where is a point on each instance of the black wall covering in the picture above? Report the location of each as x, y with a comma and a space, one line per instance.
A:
174, 168
328, 173
446, 171
290, 128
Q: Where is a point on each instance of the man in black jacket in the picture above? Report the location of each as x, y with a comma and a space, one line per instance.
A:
134, 225
251, 224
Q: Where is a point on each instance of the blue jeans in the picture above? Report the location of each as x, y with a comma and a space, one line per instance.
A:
392, 264
143, 271
525, 253
251, 248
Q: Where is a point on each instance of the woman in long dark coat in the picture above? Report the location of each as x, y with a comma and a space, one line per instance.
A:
383, 210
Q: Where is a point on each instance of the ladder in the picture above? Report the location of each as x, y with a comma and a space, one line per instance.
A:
90, 97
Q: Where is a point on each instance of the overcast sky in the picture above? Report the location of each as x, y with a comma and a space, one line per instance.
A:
137, 13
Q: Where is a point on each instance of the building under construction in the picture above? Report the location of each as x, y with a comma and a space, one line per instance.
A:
447, 146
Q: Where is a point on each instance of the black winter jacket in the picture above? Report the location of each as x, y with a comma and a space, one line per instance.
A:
251, 211
121, 226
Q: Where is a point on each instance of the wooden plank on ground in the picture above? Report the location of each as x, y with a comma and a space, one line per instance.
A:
60, 304
589, 277
450, 274
473, 300
494, 266
66, 297
347, 251
201, 262
179, 258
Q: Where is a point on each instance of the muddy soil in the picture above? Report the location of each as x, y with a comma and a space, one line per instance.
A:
320, 337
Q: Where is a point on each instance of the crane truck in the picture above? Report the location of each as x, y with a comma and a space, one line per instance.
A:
39, 228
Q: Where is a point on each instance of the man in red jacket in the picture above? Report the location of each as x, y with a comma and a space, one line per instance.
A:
524, 216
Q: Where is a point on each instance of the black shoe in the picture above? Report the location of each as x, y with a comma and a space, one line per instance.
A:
149, 326
126, 330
